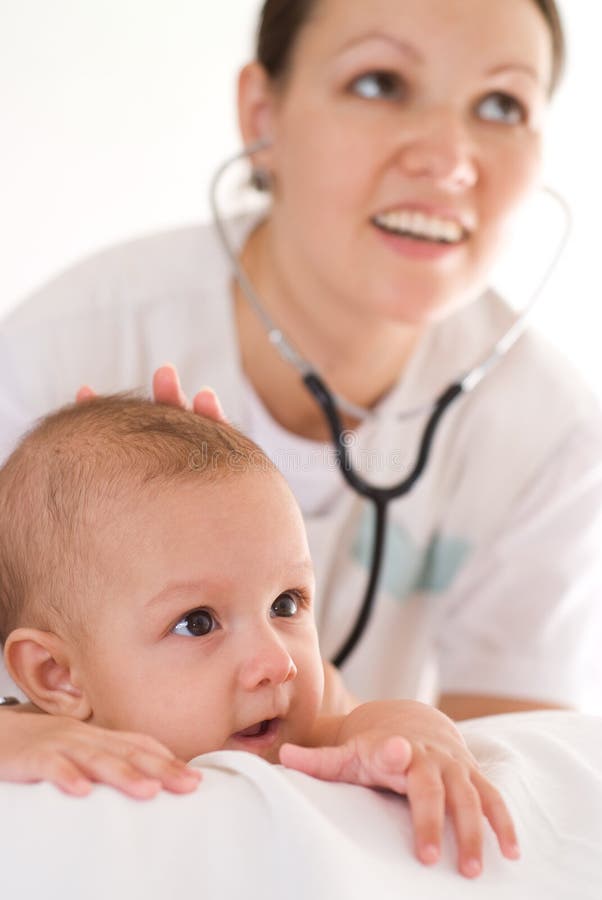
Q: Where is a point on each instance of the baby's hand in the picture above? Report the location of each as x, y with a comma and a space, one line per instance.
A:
420, 753
372, 759
74, 755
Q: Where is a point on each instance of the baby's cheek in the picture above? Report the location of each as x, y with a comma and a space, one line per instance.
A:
315, 687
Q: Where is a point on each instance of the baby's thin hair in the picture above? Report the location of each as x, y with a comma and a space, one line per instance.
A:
73, 471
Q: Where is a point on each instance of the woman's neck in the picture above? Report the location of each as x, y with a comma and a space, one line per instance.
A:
360, 356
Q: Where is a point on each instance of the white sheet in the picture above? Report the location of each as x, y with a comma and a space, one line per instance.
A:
253, 830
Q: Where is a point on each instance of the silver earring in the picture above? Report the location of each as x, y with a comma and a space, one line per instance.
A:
261, 180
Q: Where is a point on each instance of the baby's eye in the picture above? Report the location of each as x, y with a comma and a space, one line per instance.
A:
195, 624
502, 107
285, 605
378, 86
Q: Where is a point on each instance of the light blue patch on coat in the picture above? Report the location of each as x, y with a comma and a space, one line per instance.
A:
406, 566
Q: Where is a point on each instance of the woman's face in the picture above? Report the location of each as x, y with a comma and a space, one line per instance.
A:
406, 115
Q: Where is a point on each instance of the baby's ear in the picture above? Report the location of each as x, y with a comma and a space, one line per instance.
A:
41, 664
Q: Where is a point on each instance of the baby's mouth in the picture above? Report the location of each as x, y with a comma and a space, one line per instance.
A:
265, 728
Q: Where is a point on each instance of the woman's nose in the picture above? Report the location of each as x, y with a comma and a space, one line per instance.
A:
266, 662
435, 147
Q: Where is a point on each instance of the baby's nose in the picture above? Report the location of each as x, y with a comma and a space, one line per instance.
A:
266, 661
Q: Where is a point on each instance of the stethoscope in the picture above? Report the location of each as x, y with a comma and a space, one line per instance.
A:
331, 403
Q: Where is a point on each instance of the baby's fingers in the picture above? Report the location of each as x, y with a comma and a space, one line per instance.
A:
76, 771
326, 763
172, 774
65, 774
106, 768
140, 772
464, 805
498, 816
146, 754
136, 764
426, 796
365, 760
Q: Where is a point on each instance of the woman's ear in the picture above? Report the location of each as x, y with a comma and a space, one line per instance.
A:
256, 110
41, 664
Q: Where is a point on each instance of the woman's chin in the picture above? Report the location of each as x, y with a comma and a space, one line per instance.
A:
417, 304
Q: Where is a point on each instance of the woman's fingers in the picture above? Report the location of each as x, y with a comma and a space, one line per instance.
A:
85, 393
167, 389
206, 404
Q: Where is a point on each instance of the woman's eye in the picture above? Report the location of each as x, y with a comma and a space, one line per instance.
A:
501, 107
195, 624
285, 605
378, 86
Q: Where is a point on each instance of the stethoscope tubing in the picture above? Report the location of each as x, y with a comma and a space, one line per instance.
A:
363, 617
379, 496
324, 398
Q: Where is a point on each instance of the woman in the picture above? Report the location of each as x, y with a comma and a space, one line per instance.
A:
399, 138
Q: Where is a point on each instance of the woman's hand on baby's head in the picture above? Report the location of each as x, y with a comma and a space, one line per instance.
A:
74, 756
167, 389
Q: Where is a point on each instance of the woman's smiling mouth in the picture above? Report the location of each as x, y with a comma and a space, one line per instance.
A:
422, 231
421, 226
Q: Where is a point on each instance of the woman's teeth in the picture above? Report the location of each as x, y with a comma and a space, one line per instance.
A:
421, 226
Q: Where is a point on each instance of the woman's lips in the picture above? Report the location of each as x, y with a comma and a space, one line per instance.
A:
417, 248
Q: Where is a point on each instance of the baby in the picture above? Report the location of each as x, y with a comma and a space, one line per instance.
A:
155, 580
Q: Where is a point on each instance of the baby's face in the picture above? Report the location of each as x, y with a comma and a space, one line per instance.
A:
204, 636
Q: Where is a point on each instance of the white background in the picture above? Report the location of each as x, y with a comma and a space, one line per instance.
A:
113, 114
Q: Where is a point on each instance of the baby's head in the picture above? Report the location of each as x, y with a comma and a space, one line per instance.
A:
155, 577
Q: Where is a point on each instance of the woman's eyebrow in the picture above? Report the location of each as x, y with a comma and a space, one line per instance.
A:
416, 56
520, 67
403, 46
